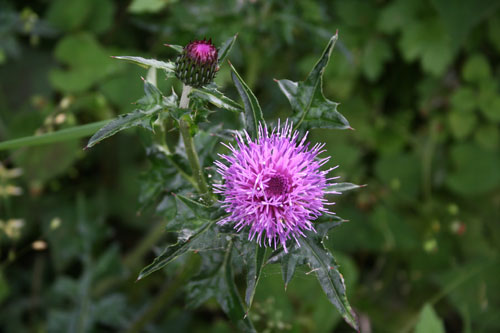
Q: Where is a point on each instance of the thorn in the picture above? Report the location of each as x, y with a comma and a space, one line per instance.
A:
137, 280
286, 286
85, 148
276, 80
314, 270
114, 57
246, 314
364, 185
337, 32
166, 44
345, 221
351, 128
143, 79
229, 62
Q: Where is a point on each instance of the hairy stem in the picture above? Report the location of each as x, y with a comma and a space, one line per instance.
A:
191, 153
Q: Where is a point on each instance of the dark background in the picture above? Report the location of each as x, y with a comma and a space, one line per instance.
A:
418, 80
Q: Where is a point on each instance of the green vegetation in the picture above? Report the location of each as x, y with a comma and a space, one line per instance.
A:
418, 82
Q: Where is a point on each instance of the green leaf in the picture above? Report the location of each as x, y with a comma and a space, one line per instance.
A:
230, 301
146, 6
101, 16
66, 134
190, 214
168, 67
488, 136
462, 123
253, 112
172, 252
461, 16
215, 97
489, 100
311, 108
397, 15
342, 187
474, 172
225, 48
216, 280
152, 104
476, 69
256, 261
177, 48
428, 321
427, 41
86, 63
66, 15
311, 251
376, 53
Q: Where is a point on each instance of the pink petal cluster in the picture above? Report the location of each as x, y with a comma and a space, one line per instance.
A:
202, 51
273, 185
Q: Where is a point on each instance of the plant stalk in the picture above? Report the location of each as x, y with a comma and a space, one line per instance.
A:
191, 153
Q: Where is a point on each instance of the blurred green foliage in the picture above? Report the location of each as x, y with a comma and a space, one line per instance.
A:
418, 80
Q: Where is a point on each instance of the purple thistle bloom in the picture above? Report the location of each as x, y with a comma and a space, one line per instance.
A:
273, 185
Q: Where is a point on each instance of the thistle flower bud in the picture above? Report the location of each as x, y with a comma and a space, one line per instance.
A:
197, 65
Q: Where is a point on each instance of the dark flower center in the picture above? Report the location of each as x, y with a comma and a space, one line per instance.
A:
277, 185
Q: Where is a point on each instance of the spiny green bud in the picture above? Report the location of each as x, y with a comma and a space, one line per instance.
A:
197, 65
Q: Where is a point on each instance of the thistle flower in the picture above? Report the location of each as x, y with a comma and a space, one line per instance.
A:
273, 185
197, 65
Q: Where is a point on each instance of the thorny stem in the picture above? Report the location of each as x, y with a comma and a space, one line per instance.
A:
191, 153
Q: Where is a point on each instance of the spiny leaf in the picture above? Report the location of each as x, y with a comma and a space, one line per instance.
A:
311, 251
177, 48
225, 48
216, 280
255, 265
324, 265
168, 67
151, 105
311, 108
172, 252
253, 112
230, 301
132, 119
215, 97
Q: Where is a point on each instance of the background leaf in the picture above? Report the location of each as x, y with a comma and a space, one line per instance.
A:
429, 321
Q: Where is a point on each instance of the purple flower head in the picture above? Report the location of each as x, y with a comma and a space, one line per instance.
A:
273, 185
198, 63
202, 51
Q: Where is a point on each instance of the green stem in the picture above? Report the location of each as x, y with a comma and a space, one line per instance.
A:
160, 138
191, 153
